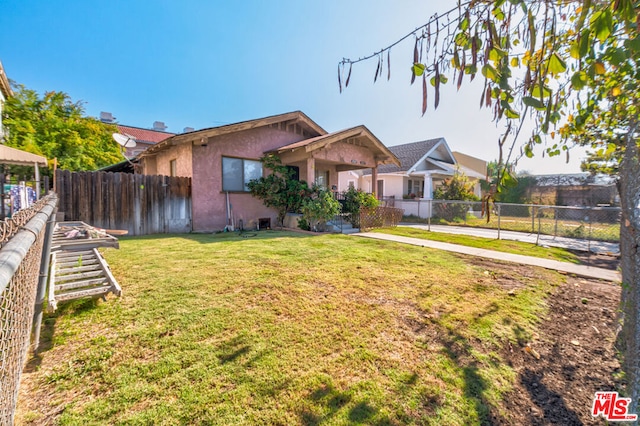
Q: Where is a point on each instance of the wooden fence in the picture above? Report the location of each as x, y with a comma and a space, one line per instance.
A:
140, 204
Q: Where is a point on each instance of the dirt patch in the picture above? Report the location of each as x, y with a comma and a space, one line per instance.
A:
573, 357
597, 260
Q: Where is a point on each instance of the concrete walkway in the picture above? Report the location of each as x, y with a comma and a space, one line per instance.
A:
601, 247
570, 268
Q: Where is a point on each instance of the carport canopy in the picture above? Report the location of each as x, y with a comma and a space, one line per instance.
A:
18, 157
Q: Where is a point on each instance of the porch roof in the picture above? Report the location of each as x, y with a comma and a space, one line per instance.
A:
356, 135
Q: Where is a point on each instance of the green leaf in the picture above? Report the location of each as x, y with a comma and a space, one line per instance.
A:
464, 24
462, 39
538, 93
508, 180
574, 50
443, 79
528, 151
585, 43
490, 72
418, 69
470, 69
498, 13
511, 113
534, 103
602, 24
556, 64
515, 62
579, 80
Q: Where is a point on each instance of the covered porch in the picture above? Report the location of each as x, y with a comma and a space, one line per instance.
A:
319, 160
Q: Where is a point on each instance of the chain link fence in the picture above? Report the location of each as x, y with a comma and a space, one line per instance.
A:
21, 256
587, 223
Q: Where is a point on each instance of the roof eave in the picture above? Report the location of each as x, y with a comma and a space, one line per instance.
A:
201, 136
5, 86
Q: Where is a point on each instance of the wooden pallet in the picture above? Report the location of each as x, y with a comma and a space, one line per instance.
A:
78, 270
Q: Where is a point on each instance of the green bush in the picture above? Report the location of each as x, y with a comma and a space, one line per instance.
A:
279, 189
320, 208
457, 188
353, 201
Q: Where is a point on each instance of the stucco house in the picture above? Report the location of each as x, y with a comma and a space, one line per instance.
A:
423, 166
145, 138
222, 160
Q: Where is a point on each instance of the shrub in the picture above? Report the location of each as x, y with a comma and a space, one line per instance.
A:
457, 188
320, 208
353, 201
279, 189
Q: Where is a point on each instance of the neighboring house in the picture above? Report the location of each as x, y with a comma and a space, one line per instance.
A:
5, 93
578, 189
222, 160
145, 138
423, 166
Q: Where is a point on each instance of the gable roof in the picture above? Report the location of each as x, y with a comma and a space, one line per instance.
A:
296, 118
409, 154
144, 135
369, 139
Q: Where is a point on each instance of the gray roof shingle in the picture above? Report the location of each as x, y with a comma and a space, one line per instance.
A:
408, 154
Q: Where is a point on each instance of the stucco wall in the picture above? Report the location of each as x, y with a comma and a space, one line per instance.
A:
209, 202
182, 154
393, 185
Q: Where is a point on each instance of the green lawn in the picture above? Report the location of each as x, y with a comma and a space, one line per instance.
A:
286, 328
507, 246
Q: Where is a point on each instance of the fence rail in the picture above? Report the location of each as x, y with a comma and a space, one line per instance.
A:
21, 256
588, 223
140, 204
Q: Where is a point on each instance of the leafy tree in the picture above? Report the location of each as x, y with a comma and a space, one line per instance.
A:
279, 189
571, 67
54, 126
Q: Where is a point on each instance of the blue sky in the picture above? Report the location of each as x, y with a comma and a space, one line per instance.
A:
204, 63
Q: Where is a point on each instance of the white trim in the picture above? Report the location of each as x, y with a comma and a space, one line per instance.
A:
426, 155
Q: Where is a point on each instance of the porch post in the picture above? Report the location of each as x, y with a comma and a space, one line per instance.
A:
428, 187
311, 171
374, 181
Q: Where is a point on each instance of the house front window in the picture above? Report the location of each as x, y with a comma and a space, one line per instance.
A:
237, 172
173, 168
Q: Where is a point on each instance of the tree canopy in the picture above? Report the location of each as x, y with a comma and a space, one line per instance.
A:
54, 126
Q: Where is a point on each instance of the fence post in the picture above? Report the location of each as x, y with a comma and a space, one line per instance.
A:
2, 195
42, 280
538, 237
589, 243
498, 205
555, 228
533, 218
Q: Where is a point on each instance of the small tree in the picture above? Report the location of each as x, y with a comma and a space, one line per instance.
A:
354, 200
320, 208
279, 189
456, 188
